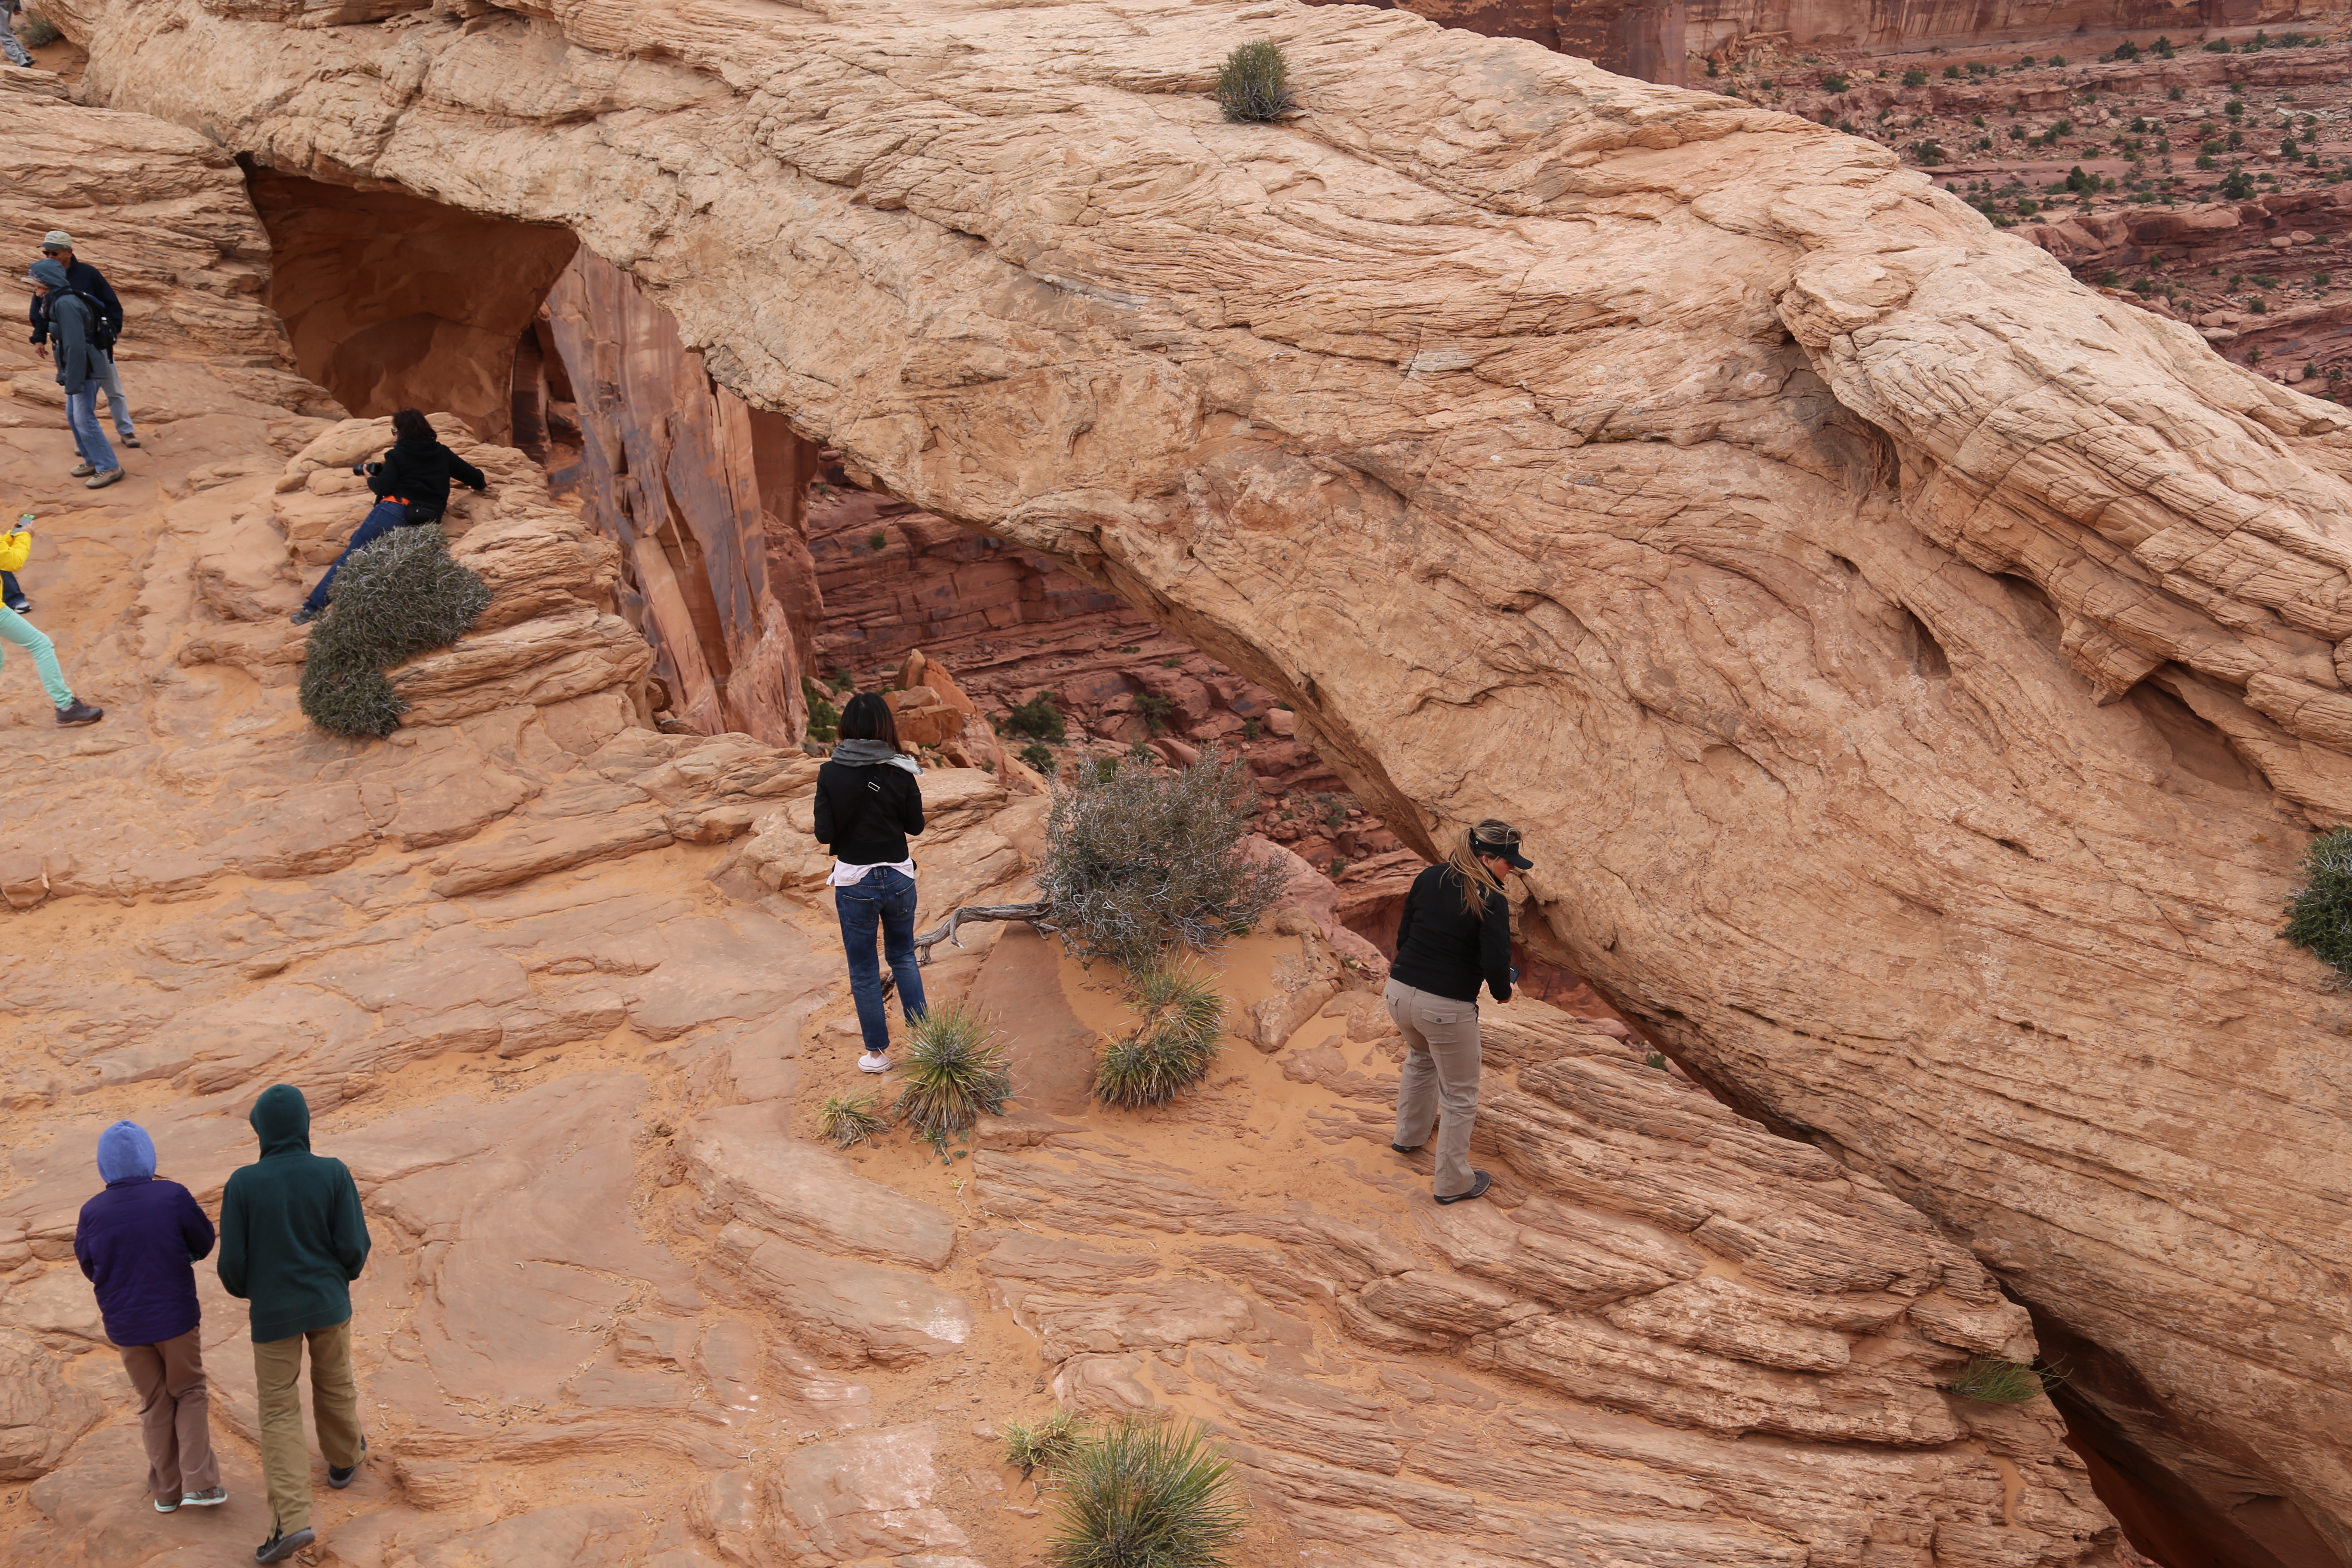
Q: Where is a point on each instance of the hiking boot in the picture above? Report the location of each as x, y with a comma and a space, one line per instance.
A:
340, 1475
82, 469
131, 440
79, 712
211, 1497
1477, 1189
305, 615
1402, 1149
100, 482
22, 606
873, 1061
168, 1505
278, 1548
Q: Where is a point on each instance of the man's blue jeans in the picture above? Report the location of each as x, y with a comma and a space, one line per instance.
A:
884, 902
382, 520
89, 435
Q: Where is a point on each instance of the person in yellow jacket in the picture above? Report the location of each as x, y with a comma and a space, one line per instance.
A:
15, 628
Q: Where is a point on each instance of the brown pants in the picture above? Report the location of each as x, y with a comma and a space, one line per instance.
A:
1440, 1074
335, 1410
174, 1410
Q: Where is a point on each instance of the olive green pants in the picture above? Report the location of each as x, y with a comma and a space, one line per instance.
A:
335, 1410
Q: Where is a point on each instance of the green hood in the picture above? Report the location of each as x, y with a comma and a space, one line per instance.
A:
282, 1119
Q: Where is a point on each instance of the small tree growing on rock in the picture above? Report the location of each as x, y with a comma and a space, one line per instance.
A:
398, 597
2319, 915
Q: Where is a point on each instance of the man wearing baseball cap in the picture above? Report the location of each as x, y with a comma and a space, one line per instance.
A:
83, 279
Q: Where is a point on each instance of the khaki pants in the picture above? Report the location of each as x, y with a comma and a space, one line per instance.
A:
174, 1412
1440, 1074
335, 1410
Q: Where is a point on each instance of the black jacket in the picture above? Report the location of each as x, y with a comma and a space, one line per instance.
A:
1444, 950
88, 280
866, 811
419, 472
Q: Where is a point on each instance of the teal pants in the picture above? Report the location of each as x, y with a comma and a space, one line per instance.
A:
15, 628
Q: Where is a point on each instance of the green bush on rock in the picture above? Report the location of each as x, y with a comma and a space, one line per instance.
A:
2319, 915
1255, 82
398, 597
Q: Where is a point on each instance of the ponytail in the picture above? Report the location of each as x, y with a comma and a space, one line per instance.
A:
1475, 879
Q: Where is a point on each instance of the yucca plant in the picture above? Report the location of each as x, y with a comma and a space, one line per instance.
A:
1174, 1044
1143, 1496
1255, 82
847, 1119
1042, 1444
954, 1074
1992, 1380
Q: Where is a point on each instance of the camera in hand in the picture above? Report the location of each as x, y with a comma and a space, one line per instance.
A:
365, 469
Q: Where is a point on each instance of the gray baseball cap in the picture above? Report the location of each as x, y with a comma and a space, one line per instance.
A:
56, 239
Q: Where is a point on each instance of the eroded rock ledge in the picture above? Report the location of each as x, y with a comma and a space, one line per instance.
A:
1919, 670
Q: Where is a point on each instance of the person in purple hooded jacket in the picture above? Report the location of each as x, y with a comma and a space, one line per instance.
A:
137, 1242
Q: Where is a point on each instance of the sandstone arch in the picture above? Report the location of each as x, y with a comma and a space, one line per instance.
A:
1591, 453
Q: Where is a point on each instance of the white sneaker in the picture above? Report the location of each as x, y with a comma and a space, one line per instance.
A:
870, 1062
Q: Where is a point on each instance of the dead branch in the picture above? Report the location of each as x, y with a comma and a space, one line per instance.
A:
1035, 914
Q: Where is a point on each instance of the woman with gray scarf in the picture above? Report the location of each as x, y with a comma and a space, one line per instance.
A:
868, 805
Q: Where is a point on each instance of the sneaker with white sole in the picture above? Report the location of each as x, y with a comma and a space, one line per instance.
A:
83, 470
211, 1497
870, 1062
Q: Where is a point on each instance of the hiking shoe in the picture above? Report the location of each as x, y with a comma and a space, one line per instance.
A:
131, 440
100, 482
305, 615
22, 606
873, 1061
169, 1506
1402, 1149
82, 469
1477, 1189
79, 712
278, 1548
211, 1497
340, 1475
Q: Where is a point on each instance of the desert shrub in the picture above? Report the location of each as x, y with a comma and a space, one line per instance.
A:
1038, 719
2319, 915
1155, 710
1139, 860
1045, 1445
1039, 756
1914, 78
1179, 1017
1835, 83
394, 599
846, 1119
954, 1072
37, 31
1255, 82
1991, 1381
1141, 1495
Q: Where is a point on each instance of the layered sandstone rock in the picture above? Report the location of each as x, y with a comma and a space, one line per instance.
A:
1925, 669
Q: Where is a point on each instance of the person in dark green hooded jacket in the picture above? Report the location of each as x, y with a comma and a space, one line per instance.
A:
292, 1239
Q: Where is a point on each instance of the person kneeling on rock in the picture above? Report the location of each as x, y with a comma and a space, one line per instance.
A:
411, 488
1455, 932
137, 1243
15, 628
292, 1240
868, 803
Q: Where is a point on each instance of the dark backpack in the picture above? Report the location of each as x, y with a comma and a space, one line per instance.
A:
102, 334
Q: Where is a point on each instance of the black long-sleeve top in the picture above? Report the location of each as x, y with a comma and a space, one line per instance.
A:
1444, 950
419, 472
867, 810
84, 279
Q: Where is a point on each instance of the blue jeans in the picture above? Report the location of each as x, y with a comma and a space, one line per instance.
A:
385, 516
885, 900
90, 436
